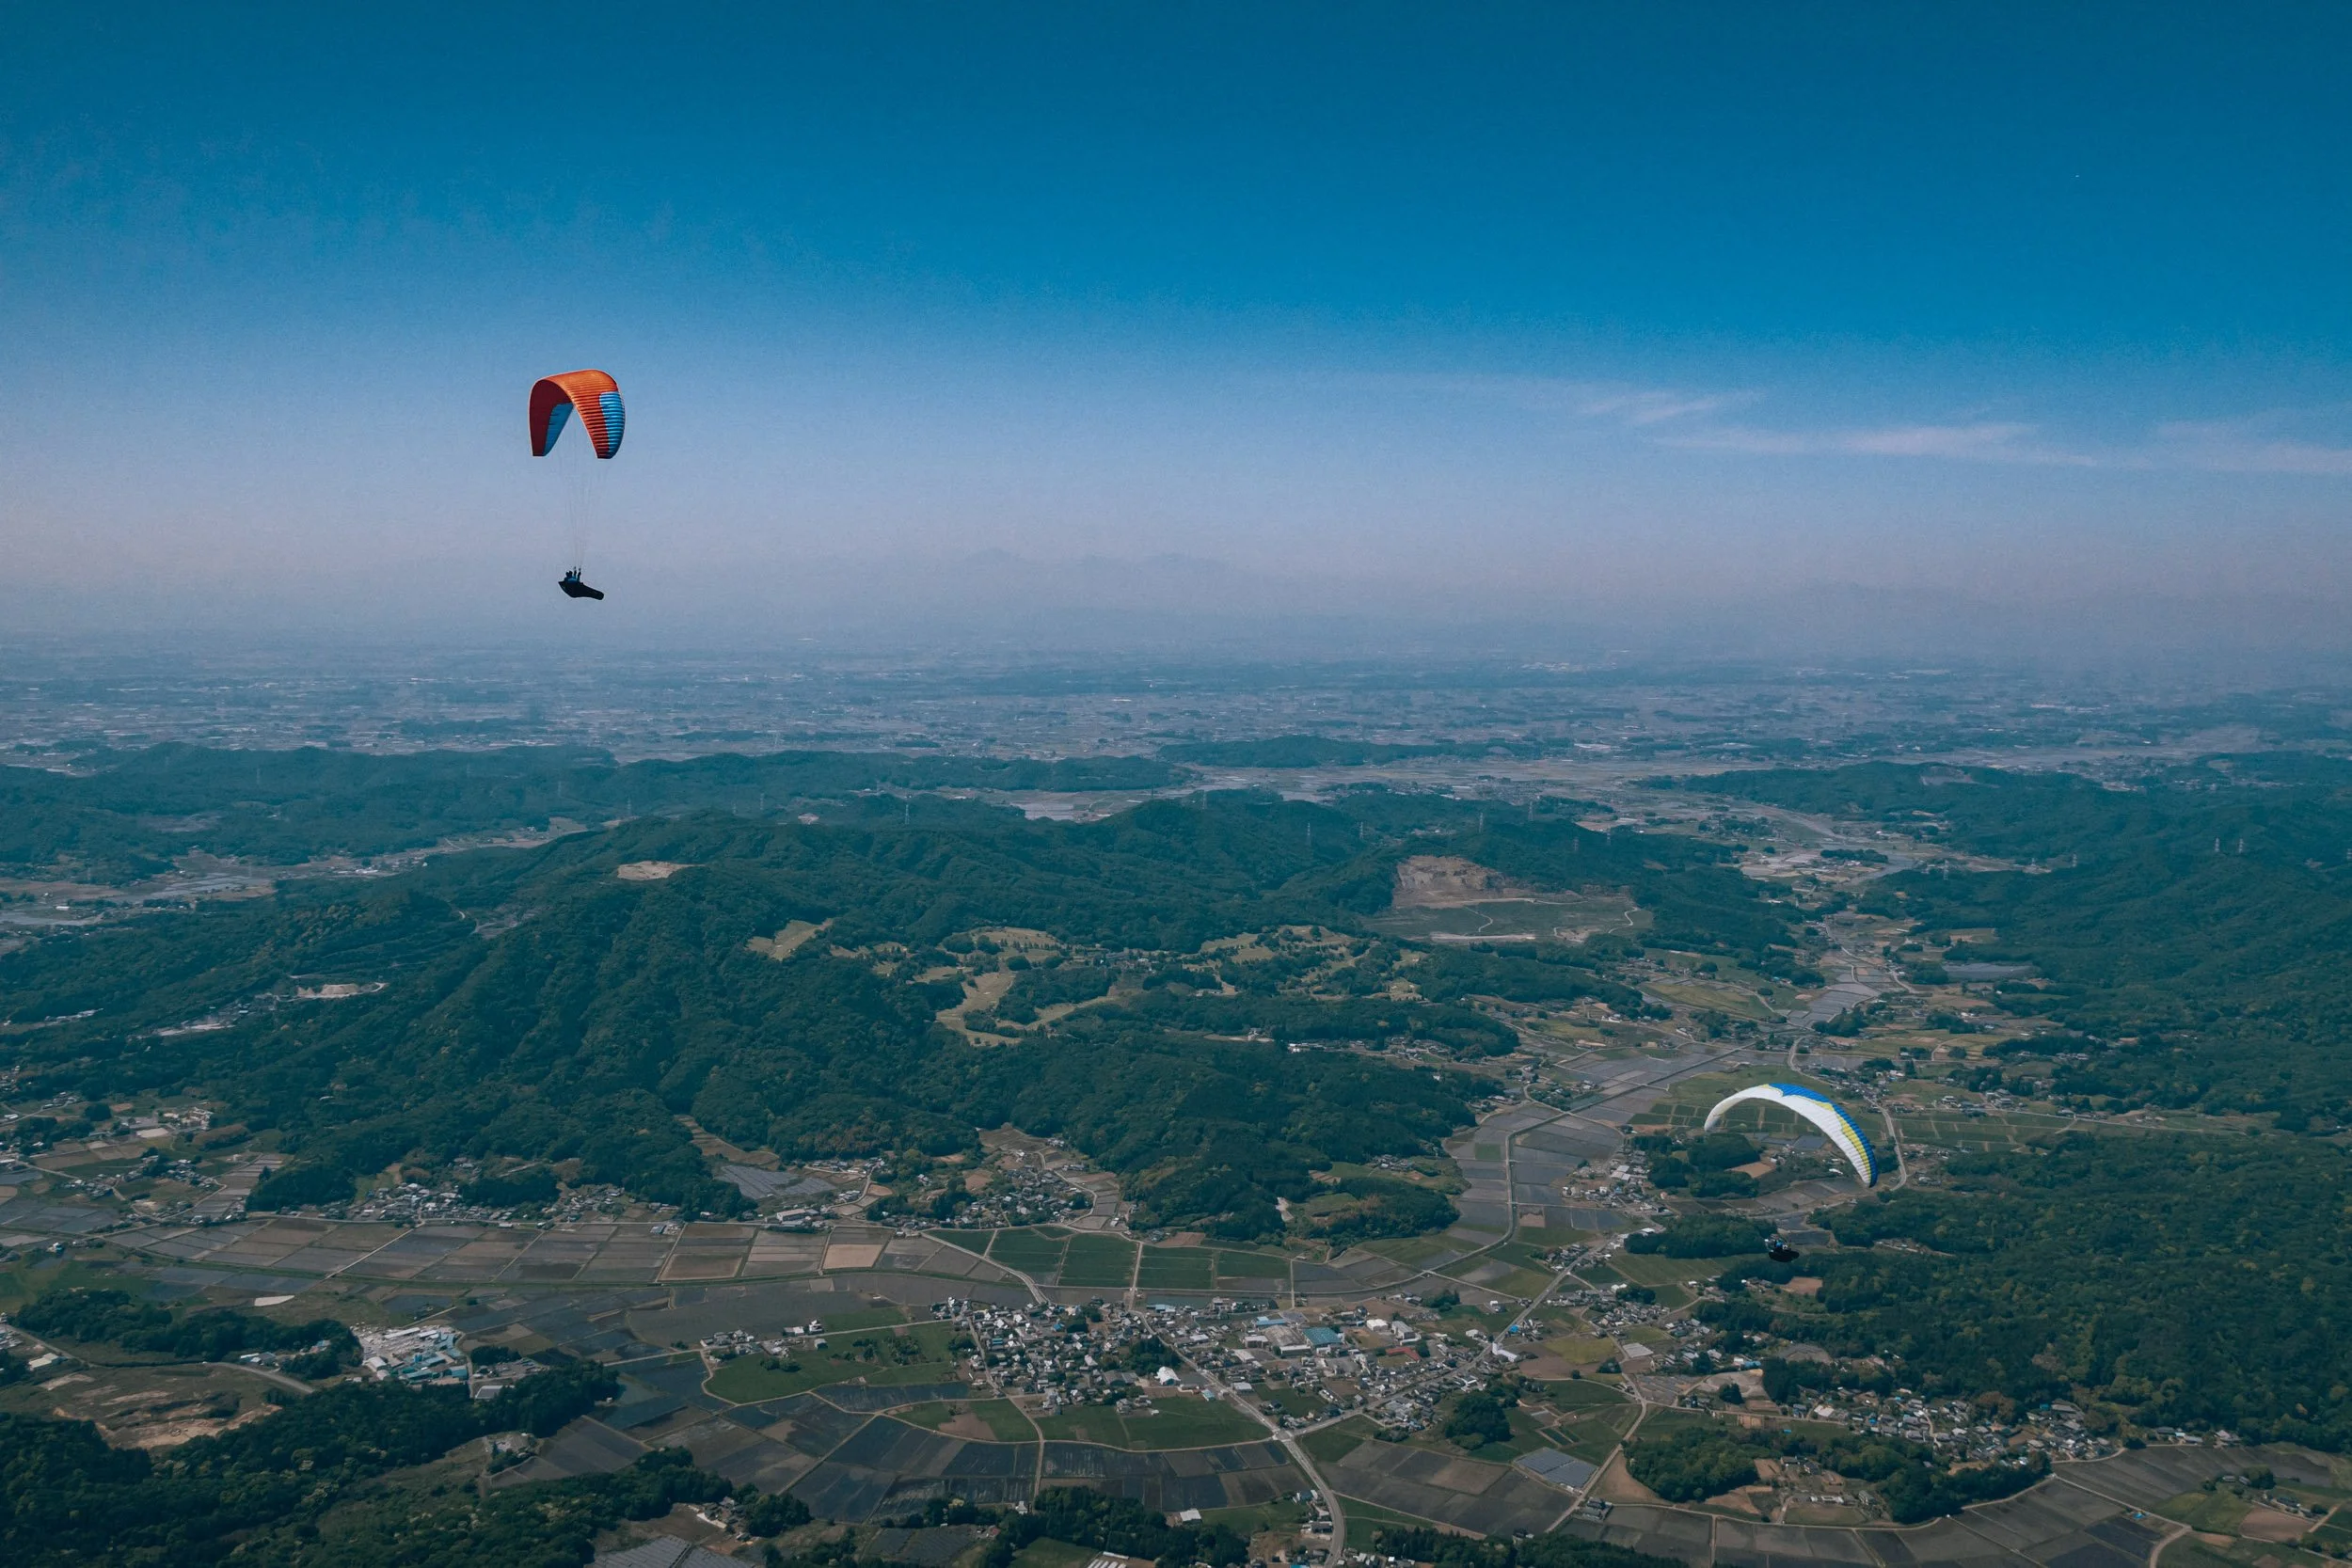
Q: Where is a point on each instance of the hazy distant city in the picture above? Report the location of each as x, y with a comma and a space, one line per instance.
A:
1540, 720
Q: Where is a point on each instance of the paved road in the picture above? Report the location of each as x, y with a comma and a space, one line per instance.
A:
265, 1374
1036, 1294
284, 1379
1894, 1141
1290, 1445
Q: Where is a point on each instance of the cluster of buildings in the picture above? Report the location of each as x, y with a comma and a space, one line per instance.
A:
426, 1354
421, 1355
1624, 1185
1069, 1358
1023, 1194
1609, 1309
1085, 1355
2057, 1430
1346, 1360
729, 1343
416, 1203
273, 1360
490, 1381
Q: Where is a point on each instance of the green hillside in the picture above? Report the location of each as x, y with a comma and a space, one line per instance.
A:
535, 1004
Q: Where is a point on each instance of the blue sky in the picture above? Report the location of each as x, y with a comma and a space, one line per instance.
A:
1510, 303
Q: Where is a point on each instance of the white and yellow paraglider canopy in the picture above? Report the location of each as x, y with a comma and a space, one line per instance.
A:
1835, 1125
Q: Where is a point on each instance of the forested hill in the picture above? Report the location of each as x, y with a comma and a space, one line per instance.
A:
2191, 928
538, 1005
117, 814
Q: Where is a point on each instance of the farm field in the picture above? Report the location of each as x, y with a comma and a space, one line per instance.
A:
1106, 1261
1179, 1423
877, 1357
1176, 1269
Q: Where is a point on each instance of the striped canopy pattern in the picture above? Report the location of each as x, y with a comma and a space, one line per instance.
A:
1835, 1125
595, 394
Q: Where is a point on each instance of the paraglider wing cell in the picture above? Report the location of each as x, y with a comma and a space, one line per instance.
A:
1837, 1127
596, 398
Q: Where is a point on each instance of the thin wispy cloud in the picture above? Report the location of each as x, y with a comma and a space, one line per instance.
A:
2252, 446
1684, 418
1643, 405
1689, 420
1610, 402
2260, 444
1988, 441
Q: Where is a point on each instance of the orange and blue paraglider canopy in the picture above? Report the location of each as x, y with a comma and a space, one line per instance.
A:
597, 397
